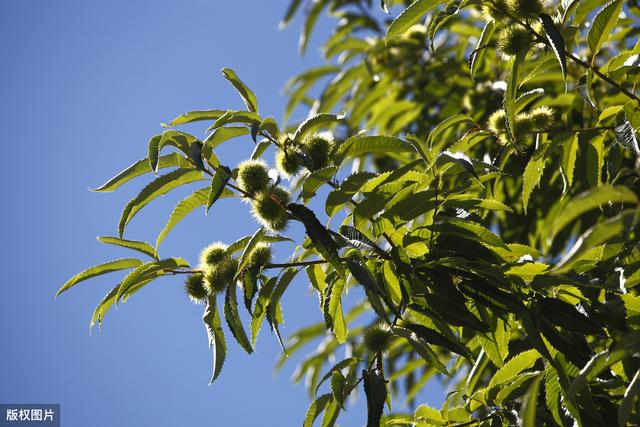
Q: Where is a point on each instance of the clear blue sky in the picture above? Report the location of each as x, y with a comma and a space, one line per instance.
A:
84, 84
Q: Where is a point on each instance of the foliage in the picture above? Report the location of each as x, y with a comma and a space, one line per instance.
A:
482, 182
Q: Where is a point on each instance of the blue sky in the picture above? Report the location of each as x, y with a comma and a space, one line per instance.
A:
84, 86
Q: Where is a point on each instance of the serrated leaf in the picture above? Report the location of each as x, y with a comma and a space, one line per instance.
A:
337, 367
410, 16
510, 95
534, 170
478, 54
626, 135
196, 116
556, 42
355, 238
211, 319
333, 309
161, 185
184, 207
359, 145
220, 135
568, 161
319, 235
150, 270
376, 392
362, 274
140, 168
246, 254
421, 347
552, 393
584, 84
588, 200
218, 183
513, 367
315, 180
272, 310
436, 338
103, 307
603, 23
98, 270
314, 122
180, 140
136, 245
233, 318
247, 94
260, 308
236, 116
530, 404
316, 408
630, 394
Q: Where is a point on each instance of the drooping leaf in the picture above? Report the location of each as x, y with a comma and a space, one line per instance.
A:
479, 51
346, 363
184, 207
161, 185
510, 95
603, 24
376, 392
103, 307
316, 408
150, 270
513, 367
588, 200
108, 267
530, 404
309, 23
246, 254
211, 319
283, 283
247, 94
195, 116
554, 37
314, 122
627, 137
410, 16
237, 116
140, 168
630, 395
421, 347
136, 245
260, 309
359, 145
233, 318
180, 140
218, 183
315, 180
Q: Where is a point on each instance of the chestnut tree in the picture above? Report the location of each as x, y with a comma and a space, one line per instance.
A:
471, 166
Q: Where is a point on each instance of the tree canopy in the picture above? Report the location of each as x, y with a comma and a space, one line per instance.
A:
471, 168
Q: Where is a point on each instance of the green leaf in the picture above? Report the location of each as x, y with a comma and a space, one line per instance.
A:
568, 162
310, 22
161, 185
294, 5
603, 24
588, 200
314, 122
136, 245
315, 181
195, 116
337, 367
319, 235
108, 267
221, 135
247, 95
478, 54
513, 367
359, 145
409, 17
556, 42
260, 309
150, 270
627, 137
211, 319
103, 307
375, 390
238, 116
184, 207
180, 140
142, 167
552, 393
421, 347
218, 183
233, 318
511, 94
435, 338
534, 170
333, 309
316, 408
251, 244
530, 404
627, 404
272, 310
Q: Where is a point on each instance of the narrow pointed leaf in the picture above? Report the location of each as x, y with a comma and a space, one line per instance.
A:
410, 16
247, 94
136, 245
603, 24
161, 185
557, 43
314, 122
218, 183
108, 267
375, 390
233, 318
150, 270
211, 319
